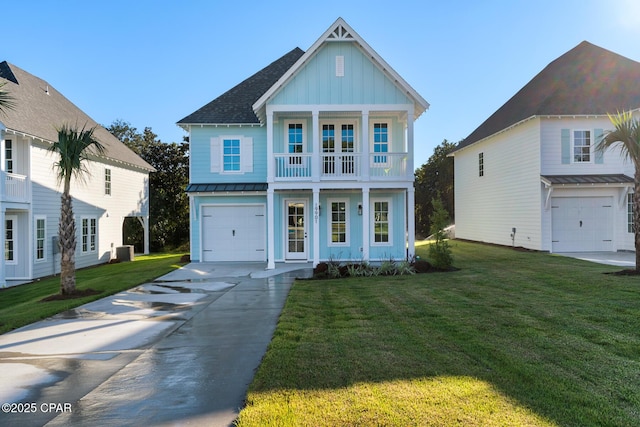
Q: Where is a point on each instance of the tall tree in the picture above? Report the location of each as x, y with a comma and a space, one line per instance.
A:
434, 180
74, 148
626, 135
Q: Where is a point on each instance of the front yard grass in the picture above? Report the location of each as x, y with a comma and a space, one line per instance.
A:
22, 305
512, 338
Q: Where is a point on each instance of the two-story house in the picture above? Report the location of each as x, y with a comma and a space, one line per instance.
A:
309, 159
116, 188
529, 175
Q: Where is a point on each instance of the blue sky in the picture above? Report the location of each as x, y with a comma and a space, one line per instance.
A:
151, 63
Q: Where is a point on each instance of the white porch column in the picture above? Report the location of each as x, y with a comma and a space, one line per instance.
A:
366, 224
270, 159
3, 231
410, 167
365, 163
316, 226
271, 245
144, 221
316, 146
411, 222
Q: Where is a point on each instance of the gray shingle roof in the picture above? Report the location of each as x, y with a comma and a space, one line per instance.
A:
587, 80
235, 105
40, 109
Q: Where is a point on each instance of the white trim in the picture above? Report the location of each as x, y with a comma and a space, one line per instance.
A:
329, 214
389, 202
37, 218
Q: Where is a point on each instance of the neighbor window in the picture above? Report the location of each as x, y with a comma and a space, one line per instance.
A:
9, 240
89, 234
107, 182
381, 223
8, 156
581, 146
41, 233
630, 225
380, 141
231, 155
480, 164
338, 222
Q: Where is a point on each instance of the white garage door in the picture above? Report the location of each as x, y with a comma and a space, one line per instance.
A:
233, 233
581, 224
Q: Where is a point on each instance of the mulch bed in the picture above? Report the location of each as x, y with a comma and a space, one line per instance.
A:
629, 272
77, 294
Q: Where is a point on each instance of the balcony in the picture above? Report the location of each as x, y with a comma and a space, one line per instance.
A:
14, 188
341, 166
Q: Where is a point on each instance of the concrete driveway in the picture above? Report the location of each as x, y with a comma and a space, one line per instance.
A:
621, 259
179, 351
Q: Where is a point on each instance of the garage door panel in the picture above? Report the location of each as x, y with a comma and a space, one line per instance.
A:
581, 224
233, 233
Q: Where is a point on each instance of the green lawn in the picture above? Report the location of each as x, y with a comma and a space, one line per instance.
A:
512, 338
22, 305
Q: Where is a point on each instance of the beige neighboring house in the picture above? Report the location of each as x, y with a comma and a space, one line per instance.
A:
116, 188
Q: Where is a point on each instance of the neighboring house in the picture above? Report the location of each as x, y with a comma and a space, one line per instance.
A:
117, 185
310, 159
529, 175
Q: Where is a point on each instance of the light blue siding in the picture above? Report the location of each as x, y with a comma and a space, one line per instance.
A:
363, 82
200, 146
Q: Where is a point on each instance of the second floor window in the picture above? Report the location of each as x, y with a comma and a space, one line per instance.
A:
581, 146
107, 182
480, 164
380, 141
295, 142
8, 156
231, 155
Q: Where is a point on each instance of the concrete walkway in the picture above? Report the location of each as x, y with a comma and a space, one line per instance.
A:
179, 351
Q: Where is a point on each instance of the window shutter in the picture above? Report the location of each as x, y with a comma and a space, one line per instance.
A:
216, 154
565, 140
596, 140
246, 155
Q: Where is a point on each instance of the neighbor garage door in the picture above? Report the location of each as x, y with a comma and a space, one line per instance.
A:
582, 224
233, 233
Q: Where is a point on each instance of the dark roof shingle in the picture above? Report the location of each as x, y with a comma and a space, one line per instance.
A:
235, 105
587, 80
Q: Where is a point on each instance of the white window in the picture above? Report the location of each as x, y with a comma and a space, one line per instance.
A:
630, 227
89, 234
231, 154
295, 142
107, 182
10, 241
381, 221
41, 235
581, 146
338, 222
480, 164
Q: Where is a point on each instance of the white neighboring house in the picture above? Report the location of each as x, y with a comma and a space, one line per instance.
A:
117, 185
529, 175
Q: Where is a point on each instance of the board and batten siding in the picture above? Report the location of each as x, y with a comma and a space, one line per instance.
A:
129, 197
363, 82
507, 195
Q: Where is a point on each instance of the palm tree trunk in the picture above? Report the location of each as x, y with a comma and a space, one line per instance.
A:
67, 237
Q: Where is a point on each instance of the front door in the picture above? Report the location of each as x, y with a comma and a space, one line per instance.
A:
296, 240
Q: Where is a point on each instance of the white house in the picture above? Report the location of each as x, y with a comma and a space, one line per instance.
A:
117, 186
309, 159
529, 175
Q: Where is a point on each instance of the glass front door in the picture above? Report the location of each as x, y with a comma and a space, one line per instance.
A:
296, 230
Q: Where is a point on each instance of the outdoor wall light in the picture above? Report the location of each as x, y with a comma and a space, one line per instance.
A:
359, 208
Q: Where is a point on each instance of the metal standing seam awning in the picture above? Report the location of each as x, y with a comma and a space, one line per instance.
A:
226, 187
591, 181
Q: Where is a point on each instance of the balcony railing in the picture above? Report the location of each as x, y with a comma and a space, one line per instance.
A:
340, 166
14, 188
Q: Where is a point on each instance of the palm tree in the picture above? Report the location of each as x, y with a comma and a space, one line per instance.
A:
6, 100
626, 133
74, 148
